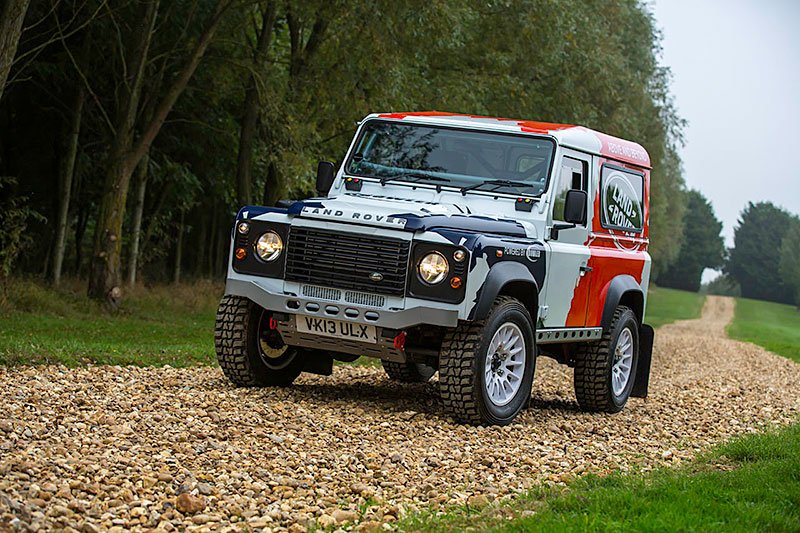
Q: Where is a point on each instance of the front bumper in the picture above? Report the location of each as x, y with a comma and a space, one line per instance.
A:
397, 313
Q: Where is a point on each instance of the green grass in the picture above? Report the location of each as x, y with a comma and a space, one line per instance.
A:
668, 305
776, 327
749, 484
165, 325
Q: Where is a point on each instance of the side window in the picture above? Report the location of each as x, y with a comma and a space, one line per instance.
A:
621, 197
573, 174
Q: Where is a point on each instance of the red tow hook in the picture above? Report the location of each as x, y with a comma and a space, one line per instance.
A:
273, 324
400, 341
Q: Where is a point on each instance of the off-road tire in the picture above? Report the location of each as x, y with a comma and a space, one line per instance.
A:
236, 343
593, 362
408, 372
461, 366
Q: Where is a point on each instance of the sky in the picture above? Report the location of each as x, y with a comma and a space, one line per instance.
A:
736, 80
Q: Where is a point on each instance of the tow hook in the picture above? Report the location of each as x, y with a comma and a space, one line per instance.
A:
400, 341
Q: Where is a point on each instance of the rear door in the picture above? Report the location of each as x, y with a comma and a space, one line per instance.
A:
567, 249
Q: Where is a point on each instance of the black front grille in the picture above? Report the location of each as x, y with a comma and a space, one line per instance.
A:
346, 260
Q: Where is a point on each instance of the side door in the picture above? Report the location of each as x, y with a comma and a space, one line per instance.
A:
567, 249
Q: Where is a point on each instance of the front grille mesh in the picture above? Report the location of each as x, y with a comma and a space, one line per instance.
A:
362, 298
346, 261
323, 293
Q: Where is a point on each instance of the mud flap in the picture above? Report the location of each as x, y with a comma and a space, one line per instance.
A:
642, 380
317, 362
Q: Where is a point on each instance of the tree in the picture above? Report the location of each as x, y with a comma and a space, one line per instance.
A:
790, 260
702, 246
12, 15
127, 150
755, 256
247, 133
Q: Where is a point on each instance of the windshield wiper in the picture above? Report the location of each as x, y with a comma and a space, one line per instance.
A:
496, 185
413, 177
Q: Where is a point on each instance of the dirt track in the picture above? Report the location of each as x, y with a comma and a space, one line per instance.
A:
107, 446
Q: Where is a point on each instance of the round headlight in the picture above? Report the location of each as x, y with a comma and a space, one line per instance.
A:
269, 246
433, 268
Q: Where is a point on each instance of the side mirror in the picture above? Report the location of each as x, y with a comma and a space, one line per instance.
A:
326, 173
575, 207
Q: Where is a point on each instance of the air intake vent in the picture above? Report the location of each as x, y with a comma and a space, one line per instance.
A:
361, 298
323, 293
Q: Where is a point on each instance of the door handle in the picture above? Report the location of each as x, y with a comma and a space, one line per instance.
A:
585, 268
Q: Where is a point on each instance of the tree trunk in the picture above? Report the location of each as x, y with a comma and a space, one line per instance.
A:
11, 19
65, 184
138, 211
244, 166
126, 155
176, 274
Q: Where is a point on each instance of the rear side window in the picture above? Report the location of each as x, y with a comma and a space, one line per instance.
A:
622, 191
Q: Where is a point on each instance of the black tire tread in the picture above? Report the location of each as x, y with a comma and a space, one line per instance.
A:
592, 387
404, 372
230, 341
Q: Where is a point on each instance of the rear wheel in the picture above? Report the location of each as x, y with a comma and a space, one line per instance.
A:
605, 370
249, 352
486, 368
408, 372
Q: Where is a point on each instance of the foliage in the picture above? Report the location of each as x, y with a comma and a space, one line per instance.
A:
329, 64
722, 285
790, 260
773, 326
754, 259
15, 215
702, 246
668, 305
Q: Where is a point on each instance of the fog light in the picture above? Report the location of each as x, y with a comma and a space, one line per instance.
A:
455, 282
241, 253
243, 228
459, 255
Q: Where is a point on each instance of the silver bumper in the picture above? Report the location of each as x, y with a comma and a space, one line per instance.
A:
272, 295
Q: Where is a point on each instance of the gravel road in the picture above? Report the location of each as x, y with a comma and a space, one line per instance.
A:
111, 447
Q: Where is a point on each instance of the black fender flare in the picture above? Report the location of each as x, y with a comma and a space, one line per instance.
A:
501, 275
619, 287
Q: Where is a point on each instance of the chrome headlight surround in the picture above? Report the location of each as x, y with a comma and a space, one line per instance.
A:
269, 246
433, 268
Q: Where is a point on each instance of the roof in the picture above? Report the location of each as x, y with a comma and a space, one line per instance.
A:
569, 135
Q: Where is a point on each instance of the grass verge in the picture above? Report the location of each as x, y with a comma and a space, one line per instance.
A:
750, 484
775, 327
155, 326
668, 305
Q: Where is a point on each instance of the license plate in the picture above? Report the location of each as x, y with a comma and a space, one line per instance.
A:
337, 328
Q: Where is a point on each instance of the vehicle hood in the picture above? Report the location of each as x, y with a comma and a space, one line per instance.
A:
398, 213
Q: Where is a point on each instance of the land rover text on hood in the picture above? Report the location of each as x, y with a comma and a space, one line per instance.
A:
460, 244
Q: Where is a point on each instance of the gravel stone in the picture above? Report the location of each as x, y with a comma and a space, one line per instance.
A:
350, 447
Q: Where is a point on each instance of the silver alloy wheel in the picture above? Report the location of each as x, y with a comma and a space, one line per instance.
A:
623, 360
505, 364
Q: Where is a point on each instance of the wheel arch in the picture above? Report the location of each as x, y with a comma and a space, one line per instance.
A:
623, 290
507, 279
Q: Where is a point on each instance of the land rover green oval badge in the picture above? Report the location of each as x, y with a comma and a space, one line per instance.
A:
622, 207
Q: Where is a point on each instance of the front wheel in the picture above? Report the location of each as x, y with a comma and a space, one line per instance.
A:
605, 370
486, 368
250, 353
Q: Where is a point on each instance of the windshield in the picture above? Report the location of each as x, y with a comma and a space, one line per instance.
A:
452, 157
